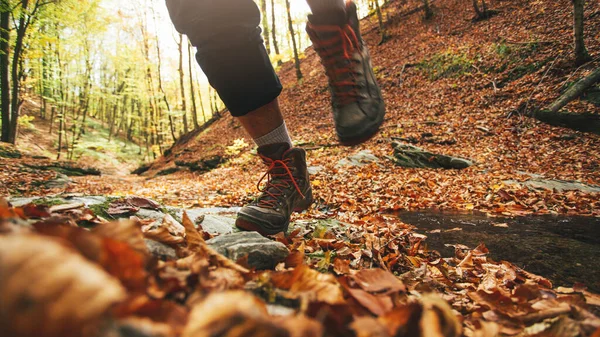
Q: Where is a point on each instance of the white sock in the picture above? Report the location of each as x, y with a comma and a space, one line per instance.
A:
279, 135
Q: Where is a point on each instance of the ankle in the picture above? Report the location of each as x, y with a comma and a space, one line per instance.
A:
277, 136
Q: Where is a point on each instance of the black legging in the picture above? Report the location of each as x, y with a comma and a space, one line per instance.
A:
230, 50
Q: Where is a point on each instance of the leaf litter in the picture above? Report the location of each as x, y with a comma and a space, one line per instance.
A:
59, 279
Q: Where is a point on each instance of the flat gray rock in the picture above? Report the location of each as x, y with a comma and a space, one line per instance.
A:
211, 219
18, 202
410, 156
360, 159
217, 224
150, 214
61, 181
556, 185
262, 253
160, 250
87, 200
312, 170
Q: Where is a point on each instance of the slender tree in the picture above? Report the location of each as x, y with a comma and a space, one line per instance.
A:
292, 34
4, 68
182, 85
265, 25
274, 33
581, 53
192, 87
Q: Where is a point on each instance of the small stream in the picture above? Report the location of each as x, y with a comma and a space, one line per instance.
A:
565, 250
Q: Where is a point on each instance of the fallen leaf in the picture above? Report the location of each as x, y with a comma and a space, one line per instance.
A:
50, 290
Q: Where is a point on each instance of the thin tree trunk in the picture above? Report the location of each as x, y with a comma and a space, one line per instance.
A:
182, 86
265, 25
61, 127
4, 69
192, 88
16, 74
291, 29
274, 32
581, 53
428, 11
382, 31
201, 103
478, 13
575, 91
160, 86
587, 122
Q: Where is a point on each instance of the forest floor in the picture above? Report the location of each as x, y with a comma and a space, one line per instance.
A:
452, 86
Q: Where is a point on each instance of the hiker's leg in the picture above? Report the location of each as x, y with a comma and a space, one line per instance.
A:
233, 57
358, 107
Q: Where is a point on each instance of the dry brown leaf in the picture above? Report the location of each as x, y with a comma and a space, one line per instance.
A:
438, 320
369, 327
192, 236
378, 281
378, 305
232, 314
300, 326
125, 231
310, 283
161, 234
49, 290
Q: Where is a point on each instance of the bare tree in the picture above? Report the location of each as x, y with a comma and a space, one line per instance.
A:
293, 35
581, 53
426, 8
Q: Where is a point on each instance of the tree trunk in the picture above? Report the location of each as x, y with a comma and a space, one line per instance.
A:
274, 32
4, 69
192, 88
16, 73
380, 20
575, 91
160, 86
428, 11
265, 25
61, 127
201, 102
291, 29
582, 122
478, 13
182, 86
581, 53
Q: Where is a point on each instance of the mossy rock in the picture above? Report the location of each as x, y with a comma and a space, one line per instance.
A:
9, 152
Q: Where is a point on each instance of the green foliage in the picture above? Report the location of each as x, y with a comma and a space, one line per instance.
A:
238, 146
48, 202
446, 64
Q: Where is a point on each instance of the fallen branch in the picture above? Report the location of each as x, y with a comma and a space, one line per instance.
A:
575, 91
585, 122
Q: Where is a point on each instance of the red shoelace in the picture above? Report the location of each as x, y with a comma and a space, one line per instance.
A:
333, 52
273, 190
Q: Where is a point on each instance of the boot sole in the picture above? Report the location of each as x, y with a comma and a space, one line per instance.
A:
366, 134
248, 224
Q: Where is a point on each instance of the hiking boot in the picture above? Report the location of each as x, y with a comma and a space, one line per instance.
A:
358, 107
287, 190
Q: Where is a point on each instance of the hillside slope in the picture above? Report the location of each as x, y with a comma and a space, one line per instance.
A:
452, 86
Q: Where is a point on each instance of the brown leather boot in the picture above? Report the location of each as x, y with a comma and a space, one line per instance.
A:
358, 107
287, 190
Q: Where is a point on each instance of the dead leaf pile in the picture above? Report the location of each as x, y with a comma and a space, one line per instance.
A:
378, 279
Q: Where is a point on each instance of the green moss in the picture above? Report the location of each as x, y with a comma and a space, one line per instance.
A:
49, 202
100, 209
8, 152
446, 64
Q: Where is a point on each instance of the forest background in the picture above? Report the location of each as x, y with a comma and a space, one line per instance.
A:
71, 66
